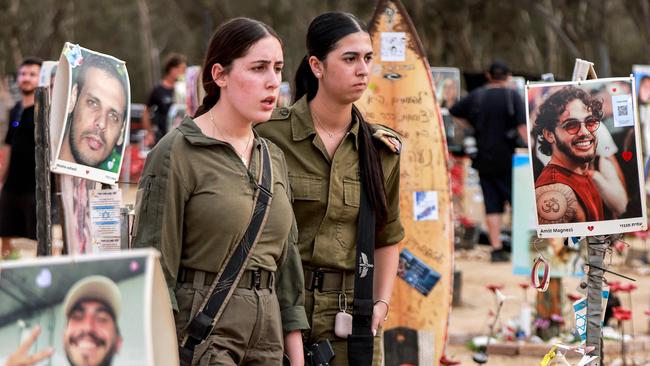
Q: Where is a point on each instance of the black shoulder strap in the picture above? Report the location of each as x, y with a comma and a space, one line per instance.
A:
224, 285
360, 342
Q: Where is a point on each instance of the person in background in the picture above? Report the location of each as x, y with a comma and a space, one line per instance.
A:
18, 168
154, 119
497, 114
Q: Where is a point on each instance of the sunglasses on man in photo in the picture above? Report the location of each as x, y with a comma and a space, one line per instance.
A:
572, 126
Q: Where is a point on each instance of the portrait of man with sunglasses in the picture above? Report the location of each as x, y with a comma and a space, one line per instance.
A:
565, 129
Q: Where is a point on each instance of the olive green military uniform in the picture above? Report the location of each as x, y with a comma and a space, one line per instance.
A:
326, 193
195, 200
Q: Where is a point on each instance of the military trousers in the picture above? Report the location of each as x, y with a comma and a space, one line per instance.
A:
249, 331
321, 308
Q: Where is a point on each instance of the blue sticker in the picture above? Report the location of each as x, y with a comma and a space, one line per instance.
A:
425, 206
73, 55
416, 273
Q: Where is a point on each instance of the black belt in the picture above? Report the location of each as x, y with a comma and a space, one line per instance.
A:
258, 279
325, 280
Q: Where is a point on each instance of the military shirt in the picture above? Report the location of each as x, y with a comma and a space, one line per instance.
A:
195, 200
326, 191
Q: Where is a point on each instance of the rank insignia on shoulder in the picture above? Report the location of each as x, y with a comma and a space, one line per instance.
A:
280, 113
389, 138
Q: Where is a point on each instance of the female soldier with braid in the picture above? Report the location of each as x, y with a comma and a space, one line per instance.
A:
195, 201
328, 147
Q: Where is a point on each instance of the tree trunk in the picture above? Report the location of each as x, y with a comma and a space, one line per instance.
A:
151, 71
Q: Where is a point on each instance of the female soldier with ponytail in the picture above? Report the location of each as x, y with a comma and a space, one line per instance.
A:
328, 147
195, 201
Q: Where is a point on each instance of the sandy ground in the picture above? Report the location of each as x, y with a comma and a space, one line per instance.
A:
471, 317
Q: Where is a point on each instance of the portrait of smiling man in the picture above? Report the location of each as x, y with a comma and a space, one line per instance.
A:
565, 129
91, 335
98, 109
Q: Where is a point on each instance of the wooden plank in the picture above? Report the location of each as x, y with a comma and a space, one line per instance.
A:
43, 188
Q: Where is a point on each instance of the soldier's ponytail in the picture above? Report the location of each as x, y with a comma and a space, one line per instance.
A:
322, 37
305, 81
372, 174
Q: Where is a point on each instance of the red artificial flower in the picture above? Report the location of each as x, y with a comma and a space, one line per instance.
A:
448, 362
621, 314
614, 286
494, 287
574, 297
619, 246
628, 287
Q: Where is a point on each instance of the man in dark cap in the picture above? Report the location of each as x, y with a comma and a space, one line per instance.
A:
497, 114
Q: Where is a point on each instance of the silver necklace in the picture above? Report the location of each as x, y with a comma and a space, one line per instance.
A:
241, 155
331, 135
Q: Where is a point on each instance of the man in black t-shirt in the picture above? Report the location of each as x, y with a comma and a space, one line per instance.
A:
497, 114
154, 118
18, 168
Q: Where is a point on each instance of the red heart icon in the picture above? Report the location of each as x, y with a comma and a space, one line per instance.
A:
627, 155
590, 228
614, 90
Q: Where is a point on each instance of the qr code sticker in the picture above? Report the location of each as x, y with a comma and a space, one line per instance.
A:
622, 110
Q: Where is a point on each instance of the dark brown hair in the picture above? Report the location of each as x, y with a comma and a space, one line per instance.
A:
323, 35
173, 60
554, 106
229, 42
31, 61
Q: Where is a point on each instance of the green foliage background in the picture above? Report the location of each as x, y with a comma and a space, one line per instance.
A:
533, 36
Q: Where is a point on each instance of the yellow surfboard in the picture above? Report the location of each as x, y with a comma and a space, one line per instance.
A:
401, 96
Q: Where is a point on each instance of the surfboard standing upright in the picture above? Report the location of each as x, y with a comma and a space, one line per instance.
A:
401, 96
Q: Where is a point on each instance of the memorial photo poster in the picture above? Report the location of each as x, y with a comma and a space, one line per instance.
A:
565, 260
446, 82
47, 77
93, 308
192, 84
518, 83
90, 114
642, 78
585, 155
76, 212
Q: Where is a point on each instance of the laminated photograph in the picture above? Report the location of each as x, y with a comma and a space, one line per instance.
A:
566, 256
518, 83
75, 204
446, 81
642, 78
110, 309
47, 77
585, 154
89, 118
